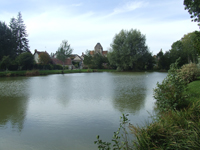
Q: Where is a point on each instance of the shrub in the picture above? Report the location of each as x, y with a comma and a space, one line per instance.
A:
66, 67
189, 72
172, 130
170, 93
32, 73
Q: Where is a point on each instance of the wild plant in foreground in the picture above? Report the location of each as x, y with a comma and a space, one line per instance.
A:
120, 138
172, 130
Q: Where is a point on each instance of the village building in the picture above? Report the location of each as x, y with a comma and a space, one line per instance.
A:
98, 49
37, 57
55, 61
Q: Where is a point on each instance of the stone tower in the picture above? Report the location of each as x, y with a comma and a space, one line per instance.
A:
98, 49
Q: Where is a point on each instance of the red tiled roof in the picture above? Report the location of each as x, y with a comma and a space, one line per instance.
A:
39, 52
104, 52
91, 52
56, 61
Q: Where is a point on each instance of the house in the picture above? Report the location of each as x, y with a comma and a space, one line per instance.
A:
78, 59
36, 55
98, 49
68, 61
55, 61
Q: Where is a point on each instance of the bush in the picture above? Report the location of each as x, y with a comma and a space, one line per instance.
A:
13, 67
170, 93
57, 67
172, 130
32, 73
189, 72
66, 67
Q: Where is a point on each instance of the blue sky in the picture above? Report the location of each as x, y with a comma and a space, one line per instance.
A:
85, 23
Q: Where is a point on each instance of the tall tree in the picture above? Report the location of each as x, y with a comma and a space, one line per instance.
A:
193, 7
25, 60
64, 51
177, 51
129, 50
19, 31
189, 47
87, 59
7, 41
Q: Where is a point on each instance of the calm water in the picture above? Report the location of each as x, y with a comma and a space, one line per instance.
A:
66, 112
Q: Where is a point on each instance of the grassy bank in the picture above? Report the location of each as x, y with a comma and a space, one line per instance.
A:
48, 72
173, 129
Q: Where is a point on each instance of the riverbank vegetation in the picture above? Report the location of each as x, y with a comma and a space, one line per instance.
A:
176, 124
48, 72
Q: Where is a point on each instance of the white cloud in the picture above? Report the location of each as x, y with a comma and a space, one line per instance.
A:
84, 24
77, 4
129, 6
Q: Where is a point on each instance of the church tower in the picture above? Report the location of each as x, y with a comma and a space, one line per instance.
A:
98, 49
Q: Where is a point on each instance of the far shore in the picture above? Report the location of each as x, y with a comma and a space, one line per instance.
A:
49, 72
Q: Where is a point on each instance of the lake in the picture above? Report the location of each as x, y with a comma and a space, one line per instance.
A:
66, 112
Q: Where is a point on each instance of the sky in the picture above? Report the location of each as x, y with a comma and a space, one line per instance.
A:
85, 23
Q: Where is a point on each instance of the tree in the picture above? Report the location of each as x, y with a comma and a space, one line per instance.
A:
193, 7
5, 63
128, 50
64, 51
163, 60
7, 42
87, 59
189, 47
25, 60
197, 42
177, 50
44, 58
19, 32
98, 60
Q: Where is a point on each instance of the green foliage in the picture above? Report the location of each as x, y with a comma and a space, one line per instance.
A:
5, 62
44, 58
187, 49
66, 67
64, 51
189, 72
171, 130
87, 59
18, 29
32, 73
94, 62
197, 42
120, 138
25, 60
170, 93
193, 7
129, 51
7, 40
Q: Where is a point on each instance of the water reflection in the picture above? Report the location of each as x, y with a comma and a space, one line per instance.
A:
129, 92
13, 103
13, 110
53, 87
68, 111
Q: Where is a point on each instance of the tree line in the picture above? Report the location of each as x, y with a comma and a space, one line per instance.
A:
128, 51
187, 48
14, 48
14, 45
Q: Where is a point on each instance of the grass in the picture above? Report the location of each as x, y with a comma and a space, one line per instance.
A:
174, 129
47, 72
193, 91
